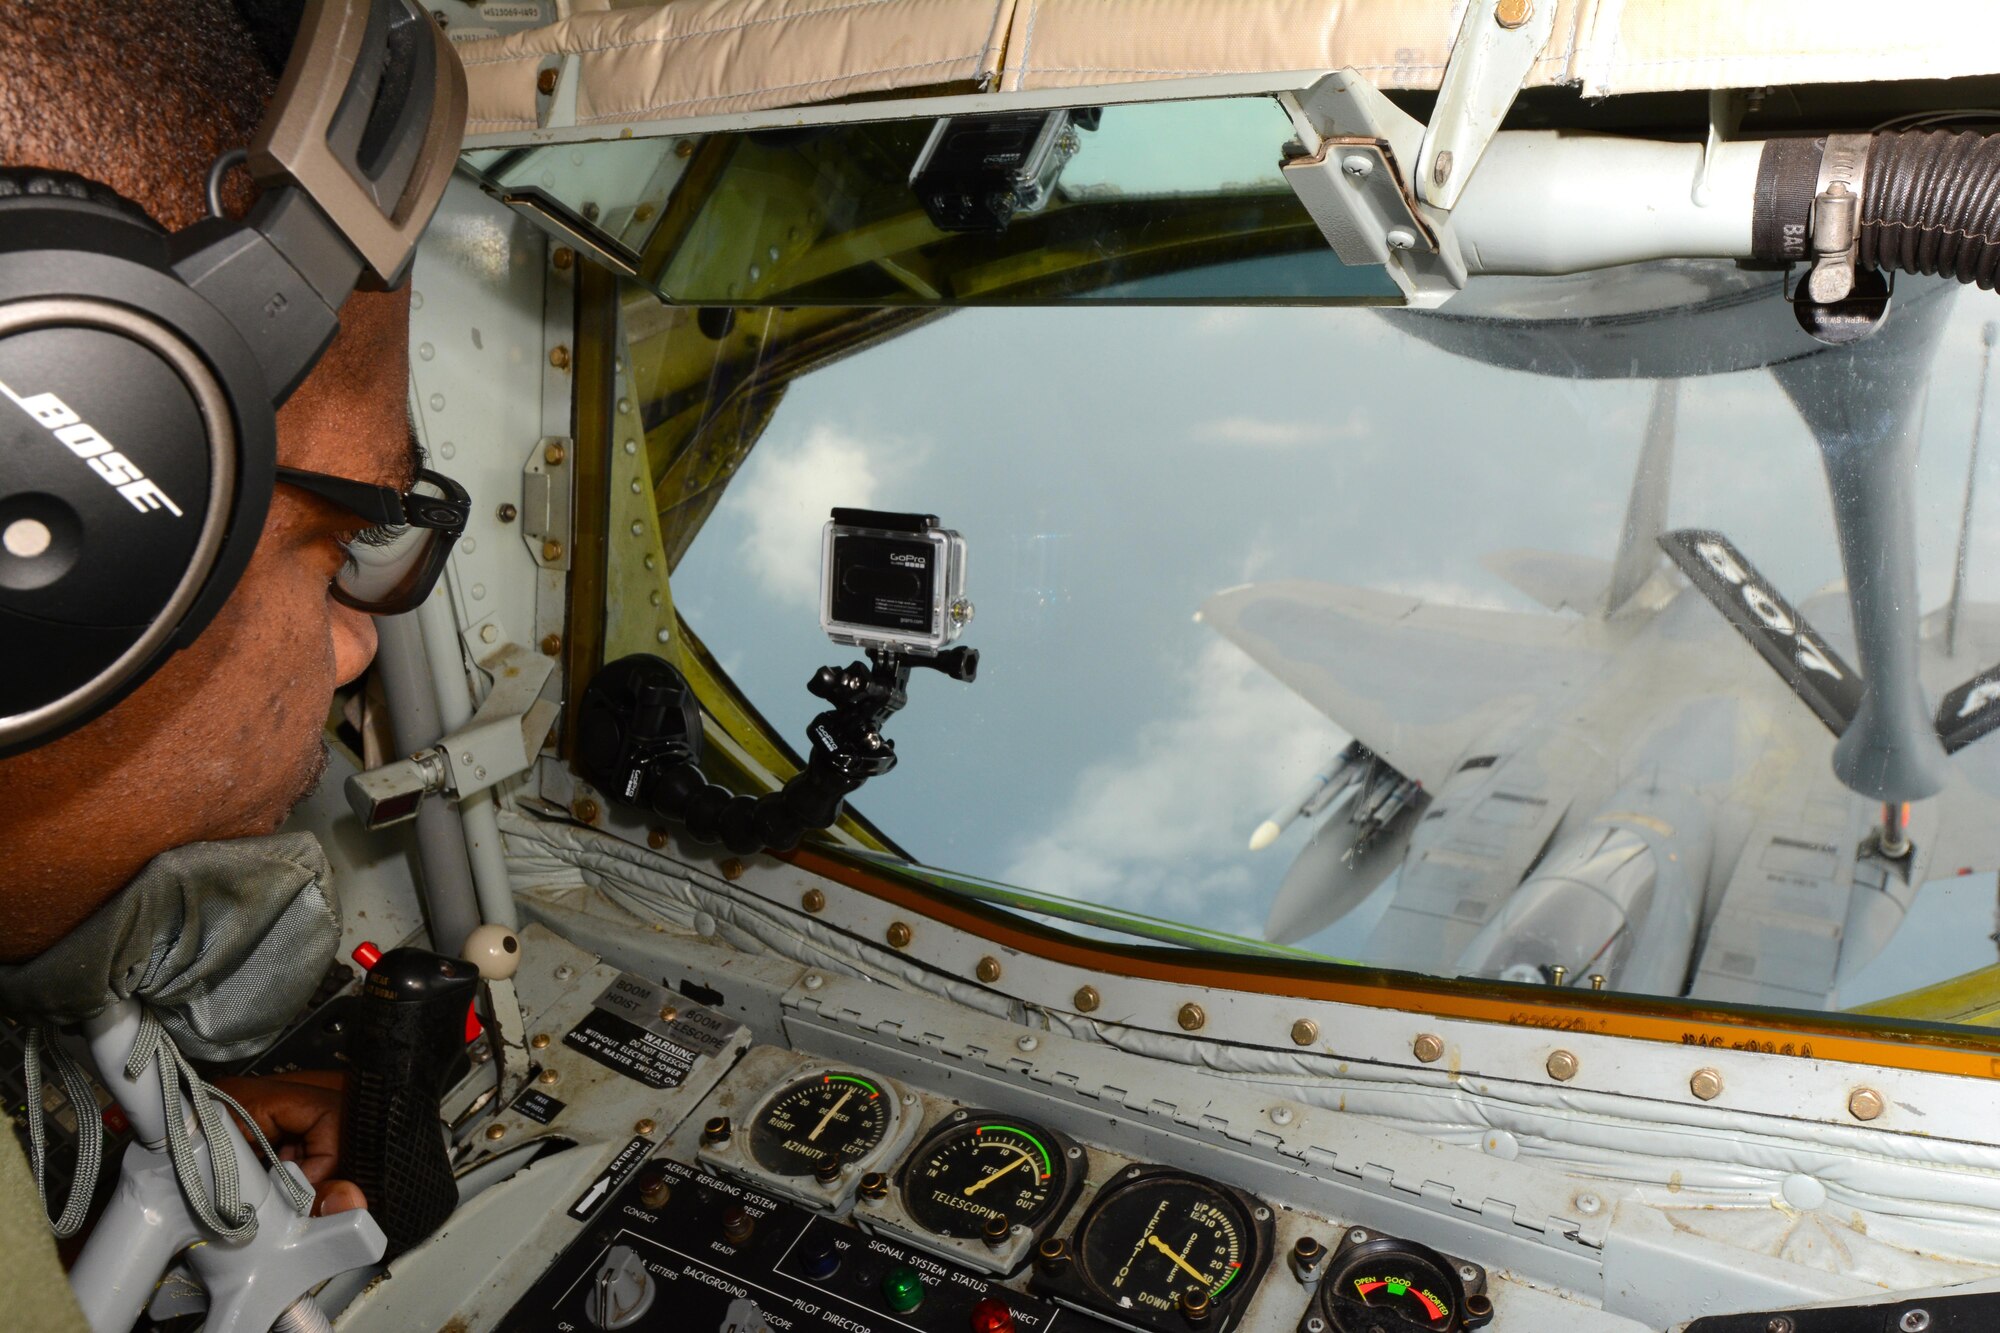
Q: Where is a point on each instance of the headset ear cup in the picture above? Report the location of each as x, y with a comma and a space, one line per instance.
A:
42, 183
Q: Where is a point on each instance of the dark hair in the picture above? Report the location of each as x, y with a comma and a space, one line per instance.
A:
140, 96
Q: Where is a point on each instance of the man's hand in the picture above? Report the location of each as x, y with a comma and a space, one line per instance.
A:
300, 1113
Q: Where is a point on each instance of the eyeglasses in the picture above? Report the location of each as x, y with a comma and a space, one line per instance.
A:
392, 565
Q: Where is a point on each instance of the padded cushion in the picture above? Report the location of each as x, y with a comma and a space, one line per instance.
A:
39, 183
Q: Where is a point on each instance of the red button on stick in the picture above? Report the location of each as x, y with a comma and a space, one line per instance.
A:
992, 1316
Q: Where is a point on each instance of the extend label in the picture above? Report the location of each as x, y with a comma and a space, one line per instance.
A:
624, 1164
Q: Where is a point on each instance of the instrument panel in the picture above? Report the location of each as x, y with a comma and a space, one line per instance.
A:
828, 1195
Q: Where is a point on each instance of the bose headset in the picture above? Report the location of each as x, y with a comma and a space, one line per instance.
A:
143, 371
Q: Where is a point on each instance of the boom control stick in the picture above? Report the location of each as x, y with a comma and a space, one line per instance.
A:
409, 1026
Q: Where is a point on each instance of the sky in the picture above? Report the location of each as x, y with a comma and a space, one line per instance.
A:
1111, 468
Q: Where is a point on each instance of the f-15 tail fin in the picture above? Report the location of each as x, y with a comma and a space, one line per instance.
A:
1646, 511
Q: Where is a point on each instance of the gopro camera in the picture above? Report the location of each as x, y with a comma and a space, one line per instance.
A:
976, 172
892, 581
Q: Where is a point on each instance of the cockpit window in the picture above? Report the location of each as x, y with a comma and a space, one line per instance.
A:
1507, 641
1168, 201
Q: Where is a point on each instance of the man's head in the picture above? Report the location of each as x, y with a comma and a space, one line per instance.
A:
224, 739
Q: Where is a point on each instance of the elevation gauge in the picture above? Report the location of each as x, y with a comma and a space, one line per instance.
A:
1162, 1250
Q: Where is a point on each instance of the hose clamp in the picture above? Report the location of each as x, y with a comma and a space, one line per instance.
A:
1836, 217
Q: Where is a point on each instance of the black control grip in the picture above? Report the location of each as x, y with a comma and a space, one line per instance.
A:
409, 1026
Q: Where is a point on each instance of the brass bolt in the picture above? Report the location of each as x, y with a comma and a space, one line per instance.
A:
1513, 13
1864, 1103
1597, 981
494, 1133
551, 643
656, 838
1428, 1047
1305, 1032
715, 1132
585, 810
554, 454
873, 1186
643, 213
988, 970
559, 357
1052, 1254
563, 257
1706, 1084
732, 869
813, 900
1086, 999
506, 513
1558, 972
1191, 1017
684, 148
549, 1076
1194, 1305
1562, 1066
668, 1013
899, 935
643, 1127
540, 1041
552, 550
545, 83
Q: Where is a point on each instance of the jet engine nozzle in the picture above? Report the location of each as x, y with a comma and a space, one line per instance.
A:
1621, 897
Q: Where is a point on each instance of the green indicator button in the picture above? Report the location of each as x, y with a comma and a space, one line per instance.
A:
903, 1288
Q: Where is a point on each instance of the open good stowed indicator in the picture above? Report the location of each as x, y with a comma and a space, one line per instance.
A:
1398, 1286
1162, 1251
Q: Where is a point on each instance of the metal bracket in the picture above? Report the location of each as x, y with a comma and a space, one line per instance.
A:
545, 501
556, 81
500, 740
1351, 182
1498, 42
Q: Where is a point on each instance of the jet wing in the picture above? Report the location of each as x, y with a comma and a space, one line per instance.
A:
1416, 682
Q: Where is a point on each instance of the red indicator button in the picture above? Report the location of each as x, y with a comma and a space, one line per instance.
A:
366, 954
992, 1316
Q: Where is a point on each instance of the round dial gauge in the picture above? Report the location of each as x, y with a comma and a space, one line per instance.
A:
1161, 1243
986, 1171
1398, 1286
817, 1124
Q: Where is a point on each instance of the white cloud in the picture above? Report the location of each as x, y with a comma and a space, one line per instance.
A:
1160, 827
1278, 433
1444, 592
782, 499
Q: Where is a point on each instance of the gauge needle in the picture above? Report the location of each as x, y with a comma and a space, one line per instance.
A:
831, 1112
975, 1187
1168, 1250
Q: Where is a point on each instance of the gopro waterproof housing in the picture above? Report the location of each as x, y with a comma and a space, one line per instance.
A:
892, 581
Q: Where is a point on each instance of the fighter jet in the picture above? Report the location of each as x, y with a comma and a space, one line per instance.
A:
1617, 793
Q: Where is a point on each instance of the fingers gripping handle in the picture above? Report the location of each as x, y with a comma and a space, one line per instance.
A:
410, 1025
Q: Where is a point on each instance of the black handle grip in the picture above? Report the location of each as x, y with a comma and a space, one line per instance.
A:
408, 1027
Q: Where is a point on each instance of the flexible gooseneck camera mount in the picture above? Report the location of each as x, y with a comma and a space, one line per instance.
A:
639, 739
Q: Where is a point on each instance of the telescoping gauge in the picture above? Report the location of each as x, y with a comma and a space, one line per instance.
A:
985, 1176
